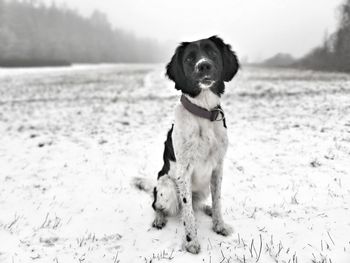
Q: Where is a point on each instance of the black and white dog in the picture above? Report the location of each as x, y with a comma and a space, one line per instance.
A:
196, 144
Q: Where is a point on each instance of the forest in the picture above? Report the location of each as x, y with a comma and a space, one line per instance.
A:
35, 34
334, 53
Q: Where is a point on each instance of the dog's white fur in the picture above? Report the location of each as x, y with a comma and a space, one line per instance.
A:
167, 196
200, 146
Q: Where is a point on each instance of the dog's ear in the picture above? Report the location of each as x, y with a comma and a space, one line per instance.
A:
229, 58
174, 69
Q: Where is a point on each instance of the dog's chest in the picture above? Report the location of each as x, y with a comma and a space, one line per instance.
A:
211, 141
199, 143
211, 148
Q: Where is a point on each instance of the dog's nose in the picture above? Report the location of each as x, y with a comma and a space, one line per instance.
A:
203, 66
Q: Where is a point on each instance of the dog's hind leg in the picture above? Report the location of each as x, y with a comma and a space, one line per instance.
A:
197, 200
207, 210
160, 220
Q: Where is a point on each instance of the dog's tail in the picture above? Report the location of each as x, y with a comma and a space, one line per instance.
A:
143, 184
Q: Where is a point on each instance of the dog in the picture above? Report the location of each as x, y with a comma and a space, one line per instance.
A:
197, 141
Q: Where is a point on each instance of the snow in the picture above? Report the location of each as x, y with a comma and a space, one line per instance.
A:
73, 138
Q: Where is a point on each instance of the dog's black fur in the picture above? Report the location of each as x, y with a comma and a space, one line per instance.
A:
168, 154
222, 65
154, 198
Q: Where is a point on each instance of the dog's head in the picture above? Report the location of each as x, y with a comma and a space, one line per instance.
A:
202, 64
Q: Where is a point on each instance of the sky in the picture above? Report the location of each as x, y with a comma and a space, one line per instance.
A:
256, 29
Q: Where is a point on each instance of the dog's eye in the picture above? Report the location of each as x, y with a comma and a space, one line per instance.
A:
212, 52
189, 59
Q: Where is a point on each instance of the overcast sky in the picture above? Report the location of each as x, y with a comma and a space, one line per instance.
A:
255, 28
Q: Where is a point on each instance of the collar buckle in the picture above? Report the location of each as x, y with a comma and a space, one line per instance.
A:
215, 113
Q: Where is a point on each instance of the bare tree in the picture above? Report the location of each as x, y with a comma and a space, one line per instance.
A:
342, 39
334, 54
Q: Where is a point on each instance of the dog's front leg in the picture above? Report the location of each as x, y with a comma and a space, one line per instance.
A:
218, 223
183, 181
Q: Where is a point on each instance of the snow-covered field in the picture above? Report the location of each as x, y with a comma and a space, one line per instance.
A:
72, 139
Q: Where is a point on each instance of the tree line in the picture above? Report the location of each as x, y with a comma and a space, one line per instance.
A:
334, 53
34, 33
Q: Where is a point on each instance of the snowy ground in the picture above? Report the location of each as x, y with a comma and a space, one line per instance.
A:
72, 139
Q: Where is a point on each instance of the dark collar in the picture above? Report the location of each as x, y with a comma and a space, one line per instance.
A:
211, 115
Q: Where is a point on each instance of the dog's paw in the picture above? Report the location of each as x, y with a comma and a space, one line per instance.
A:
222, 229
208, 210
159, 222
193, 246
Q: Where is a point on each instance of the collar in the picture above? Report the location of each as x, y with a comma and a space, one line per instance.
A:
211, 115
